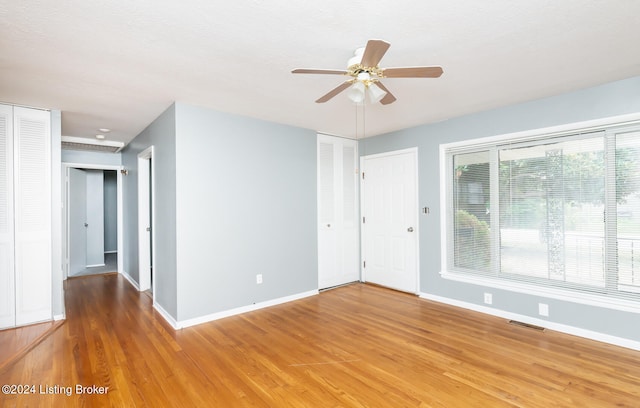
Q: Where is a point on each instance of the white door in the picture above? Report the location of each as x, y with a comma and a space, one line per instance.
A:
7, 276
390, 228
32, 227
77, 206
95, 218
337, 211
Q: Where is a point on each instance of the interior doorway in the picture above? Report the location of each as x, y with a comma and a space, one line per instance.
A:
146, 219
92, 219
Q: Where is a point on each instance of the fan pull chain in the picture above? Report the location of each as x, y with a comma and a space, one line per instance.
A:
363, 120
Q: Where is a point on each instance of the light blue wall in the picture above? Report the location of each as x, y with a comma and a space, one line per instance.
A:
246, 204
234, 197
110, 211
617, 98
161, 134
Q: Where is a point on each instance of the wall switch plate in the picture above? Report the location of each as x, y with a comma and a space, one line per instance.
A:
259, 278
543, 309
488, 298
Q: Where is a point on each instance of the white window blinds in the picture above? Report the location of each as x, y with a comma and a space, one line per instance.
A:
552, 211
627, 182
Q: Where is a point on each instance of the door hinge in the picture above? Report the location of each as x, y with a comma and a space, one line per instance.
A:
364, 264
363, 220
363, 175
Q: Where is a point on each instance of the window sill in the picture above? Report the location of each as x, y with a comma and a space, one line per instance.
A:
552, 293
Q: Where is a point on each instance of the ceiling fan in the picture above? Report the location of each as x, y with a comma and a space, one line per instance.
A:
366, 75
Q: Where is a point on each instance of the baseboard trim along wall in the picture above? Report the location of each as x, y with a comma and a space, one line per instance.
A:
563, 328
172, 322
239, 310
177, 325
131, 280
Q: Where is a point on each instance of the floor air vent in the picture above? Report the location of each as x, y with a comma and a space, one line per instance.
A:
527, 325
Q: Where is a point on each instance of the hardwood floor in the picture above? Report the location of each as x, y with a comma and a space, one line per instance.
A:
15, 343
354, 346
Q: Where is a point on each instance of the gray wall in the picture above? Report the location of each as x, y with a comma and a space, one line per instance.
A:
246, 204
110, 211
234, 197
161, 134
611, 99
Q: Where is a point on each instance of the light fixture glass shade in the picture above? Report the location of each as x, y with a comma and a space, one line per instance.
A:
364, 77
375, 93
357, 92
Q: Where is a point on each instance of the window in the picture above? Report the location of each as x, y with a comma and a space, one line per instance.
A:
627, 182
546, 211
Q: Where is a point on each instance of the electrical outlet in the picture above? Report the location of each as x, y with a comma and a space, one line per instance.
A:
488, 298
259, 278
543, 309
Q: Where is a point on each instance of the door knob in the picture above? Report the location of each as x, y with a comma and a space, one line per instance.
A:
410, 229
328, 225
86, 225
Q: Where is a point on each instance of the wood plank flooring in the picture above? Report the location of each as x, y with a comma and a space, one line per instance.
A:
354, 346
15, 343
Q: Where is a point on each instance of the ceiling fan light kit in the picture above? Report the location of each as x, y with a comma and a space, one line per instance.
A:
357, 92
366, 75
376, 94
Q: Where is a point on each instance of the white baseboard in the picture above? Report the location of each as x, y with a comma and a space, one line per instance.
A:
243, 309
59, 317
156, 305
166, 316
131, 280
563, 328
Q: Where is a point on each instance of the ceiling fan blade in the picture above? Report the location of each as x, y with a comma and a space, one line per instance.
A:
388, 98
412, 72
374, 52
334, 92
318, 71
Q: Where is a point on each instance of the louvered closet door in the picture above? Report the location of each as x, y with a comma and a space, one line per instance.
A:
7, 283
337, 212
32, 175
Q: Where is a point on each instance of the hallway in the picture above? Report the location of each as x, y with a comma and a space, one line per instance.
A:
110, 265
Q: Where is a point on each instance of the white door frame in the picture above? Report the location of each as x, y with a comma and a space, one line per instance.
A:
146, 249
411, 150
65, 212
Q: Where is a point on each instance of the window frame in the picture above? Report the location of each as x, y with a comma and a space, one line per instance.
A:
606, 128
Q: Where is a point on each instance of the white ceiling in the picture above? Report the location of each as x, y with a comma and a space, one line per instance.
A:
119, 64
